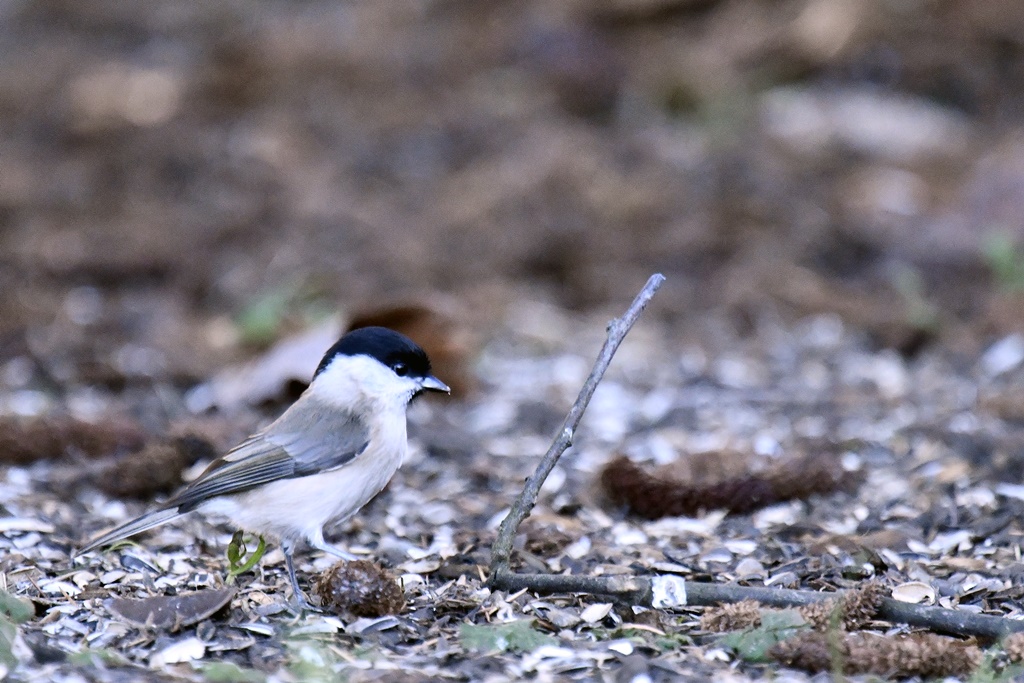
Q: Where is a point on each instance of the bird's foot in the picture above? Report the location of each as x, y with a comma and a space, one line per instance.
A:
300, 604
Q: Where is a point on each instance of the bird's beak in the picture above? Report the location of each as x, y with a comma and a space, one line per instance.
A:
431, 383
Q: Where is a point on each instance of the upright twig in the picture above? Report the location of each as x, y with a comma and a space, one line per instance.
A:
501, 550
670, 591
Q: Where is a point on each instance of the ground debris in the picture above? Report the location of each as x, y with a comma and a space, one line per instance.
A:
195, 201
917, 654
171, 612
26, 440
655, 495
359, 588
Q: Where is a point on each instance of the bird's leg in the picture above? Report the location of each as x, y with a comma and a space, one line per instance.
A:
300, 598
318, 542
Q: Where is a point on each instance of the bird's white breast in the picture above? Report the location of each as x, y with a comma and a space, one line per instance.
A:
292, 509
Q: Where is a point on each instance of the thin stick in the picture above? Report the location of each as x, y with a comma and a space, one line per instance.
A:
668, 591
644, 591
501, 550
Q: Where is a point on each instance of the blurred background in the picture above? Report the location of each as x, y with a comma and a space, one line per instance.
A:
196, 197
180, 182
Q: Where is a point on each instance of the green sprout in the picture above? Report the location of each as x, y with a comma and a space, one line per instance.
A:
1004, 258
238, 563
265, 315
919, 312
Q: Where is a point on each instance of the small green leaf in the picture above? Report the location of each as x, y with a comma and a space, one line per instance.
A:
753, 644
670, 642
18, 609
778, 619
514, 636
226, 672
260, 321
1005, 260
256, 556
313, 662
8, 634
97, 658
236, 551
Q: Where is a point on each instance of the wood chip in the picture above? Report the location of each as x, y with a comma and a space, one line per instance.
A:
170, 612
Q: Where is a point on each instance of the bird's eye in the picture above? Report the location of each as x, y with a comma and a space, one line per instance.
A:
401, 369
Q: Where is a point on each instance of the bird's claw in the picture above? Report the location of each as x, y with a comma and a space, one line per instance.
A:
299, 604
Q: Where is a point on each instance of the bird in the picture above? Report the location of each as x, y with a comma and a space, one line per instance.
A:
318, 463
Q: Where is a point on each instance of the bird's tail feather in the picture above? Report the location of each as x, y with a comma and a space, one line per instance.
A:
137, 525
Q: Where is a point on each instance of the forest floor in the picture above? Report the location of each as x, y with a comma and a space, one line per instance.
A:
825, 394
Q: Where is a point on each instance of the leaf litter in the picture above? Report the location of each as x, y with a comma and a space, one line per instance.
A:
840, 262
912, 526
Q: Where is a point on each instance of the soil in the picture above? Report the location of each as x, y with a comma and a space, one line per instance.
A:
194, 197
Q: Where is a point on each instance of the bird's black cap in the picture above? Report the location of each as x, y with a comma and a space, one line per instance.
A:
389, 347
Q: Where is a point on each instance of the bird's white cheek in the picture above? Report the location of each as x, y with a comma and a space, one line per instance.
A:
360, 380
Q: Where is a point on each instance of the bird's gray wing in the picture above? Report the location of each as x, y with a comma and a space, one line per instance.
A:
298, 444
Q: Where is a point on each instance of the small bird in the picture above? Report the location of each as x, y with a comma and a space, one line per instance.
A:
332, 451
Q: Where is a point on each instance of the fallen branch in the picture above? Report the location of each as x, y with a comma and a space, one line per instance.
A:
501, 550
670, 591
